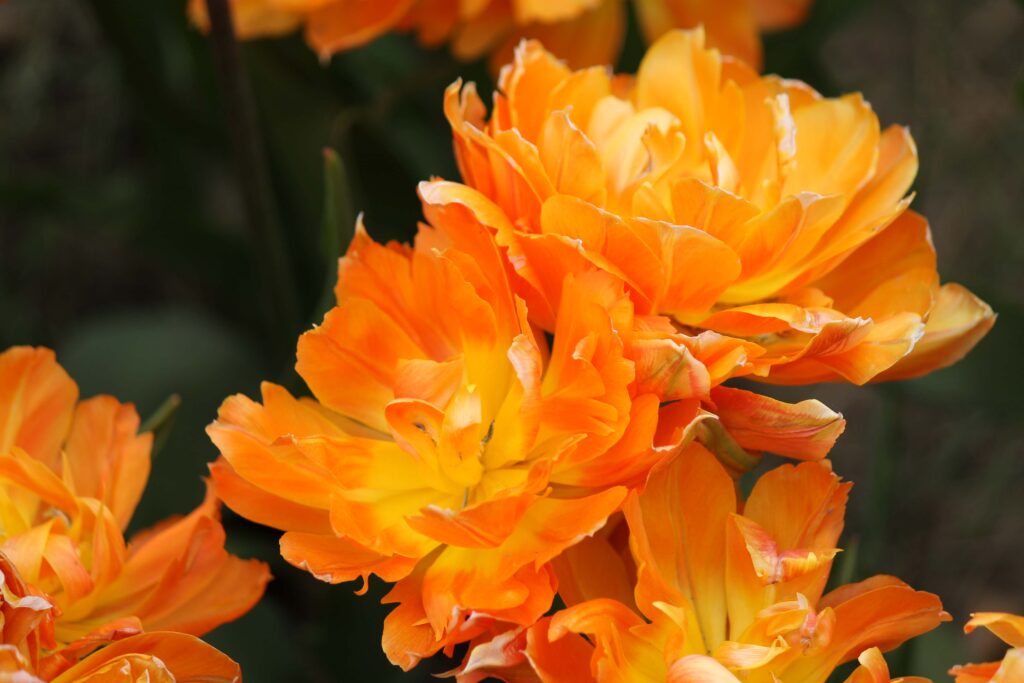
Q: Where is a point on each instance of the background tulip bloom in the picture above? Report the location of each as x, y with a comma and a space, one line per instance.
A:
71, 474
1010, 629
745, 205
721, 595
583, 32
27, 632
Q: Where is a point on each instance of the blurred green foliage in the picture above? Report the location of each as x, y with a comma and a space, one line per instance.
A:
123, 246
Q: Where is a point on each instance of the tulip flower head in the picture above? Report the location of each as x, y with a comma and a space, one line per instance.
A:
745, 205
583, 32
71, 474
724, 591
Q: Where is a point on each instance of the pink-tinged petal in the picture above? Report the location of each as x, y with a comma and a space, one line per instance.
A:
667, 369
773, 565
805, 430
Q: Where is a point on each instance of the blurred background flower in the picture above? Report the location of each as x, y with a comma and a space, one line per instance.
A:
124, 245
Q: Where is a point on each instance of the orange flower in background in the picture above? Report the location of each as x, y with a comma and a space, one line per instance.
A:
1010, 629
71, 474
26, 628
724, 591
583, 32
749, 206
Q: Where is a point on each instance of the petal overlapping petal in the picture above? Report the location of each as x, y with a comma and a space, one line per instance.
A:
71, 474
450, 449
729, 590
584, 32
748, 206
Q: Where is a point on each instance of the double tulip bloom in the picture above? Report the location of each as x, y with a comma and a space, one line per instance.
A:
586, 32
71, 474
744, 205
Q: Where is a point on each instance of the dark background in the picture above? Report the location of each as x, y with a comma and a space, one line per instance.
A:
124, 246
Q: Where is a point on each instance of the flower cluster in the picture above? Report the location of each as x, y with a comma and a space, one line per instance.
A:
530, 401
78, 602
587, 32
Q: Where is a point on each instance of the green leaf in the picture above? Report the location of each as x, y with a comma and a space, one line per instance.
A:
337, 225
161, 422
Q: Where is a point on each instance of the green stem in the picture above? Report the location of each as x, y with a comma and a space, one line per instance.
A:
254, 176
161, 422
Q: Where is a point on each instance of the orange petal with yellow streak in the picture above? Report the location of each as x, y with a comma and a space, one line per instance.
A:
259, 506
105, 457
484, 525
873, 669
676, 525
37, 400
955, 325
336, 559
880, 612
247, 436
497, 579
1008, 627
699, 669
178, 576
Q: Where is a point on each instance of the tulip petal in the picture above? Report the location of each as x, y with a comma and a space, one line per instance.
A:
805, 430
1008, 627
162, 655
105, 457
336, 559
677, 525
955, 325
37, 399
345, 24
699, 669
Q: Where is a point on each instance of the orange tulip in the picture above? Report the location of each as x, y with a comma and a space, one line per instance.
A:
724, 592
71, 474
449, 449
26, 631
748, 206
583, 32
452, 450
1010, 629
